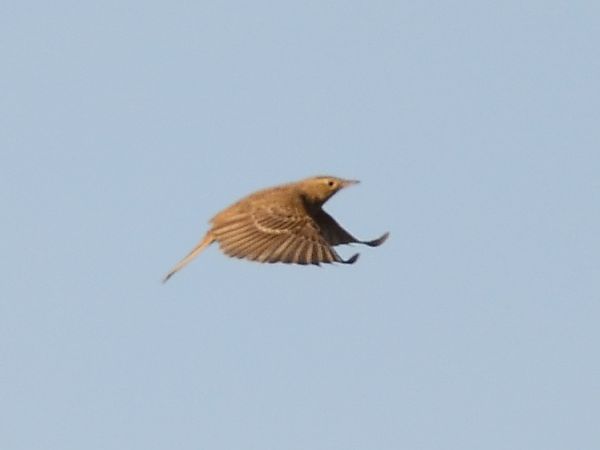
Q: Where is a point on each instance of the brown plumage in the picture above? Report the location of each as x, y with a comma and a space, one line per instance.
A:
282, 224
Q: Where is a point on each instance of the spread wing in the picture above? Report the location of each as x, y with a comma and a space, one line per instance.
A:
334, 234
275, 234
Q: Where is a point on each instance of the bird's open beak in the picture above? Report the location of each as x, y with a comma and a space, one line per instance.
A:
347, 183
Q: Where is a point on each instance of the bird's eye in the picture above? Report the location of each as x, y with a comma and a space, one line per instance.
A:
331, 183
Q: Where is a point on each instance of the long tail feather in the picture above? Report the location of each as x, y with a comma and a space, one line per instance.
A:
205, 242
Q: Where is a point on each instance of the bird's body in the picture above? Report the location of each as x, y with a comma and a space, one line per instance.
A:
281, 224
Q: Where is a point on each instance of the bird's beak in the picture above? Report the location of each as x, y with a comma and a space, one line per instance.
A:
347, 183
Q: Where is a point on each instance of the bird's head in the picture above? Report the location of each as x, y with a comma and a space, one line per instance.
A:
318, 190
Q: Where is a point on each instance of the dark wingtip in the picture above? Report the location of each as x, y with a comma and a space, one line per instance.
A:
351, 260
377, 242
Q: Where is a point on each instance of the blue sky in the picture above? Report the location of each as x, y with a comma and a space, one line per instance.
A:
474, 129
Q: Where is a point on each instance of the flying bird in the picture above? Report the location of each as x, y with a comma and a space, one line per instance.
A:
282, 224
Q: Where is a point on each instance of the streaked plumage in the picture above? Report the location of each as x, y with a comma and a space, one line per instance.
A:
281, 224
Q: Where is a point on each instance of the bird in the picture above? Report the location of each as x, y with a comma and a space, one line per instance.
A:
285, 223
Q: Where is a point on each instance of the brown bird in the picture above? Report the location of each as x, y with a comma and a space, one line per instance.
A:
282, 224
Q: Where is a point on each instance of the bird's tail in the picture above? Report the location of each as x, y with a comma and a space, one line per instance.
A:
205, 242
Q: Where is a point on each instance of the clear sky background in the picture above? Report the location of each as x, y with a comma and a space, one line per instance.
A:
475, 129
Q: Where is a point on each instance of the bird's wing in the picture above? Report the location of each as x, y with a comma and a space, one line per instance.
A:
275, 234
334, 234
